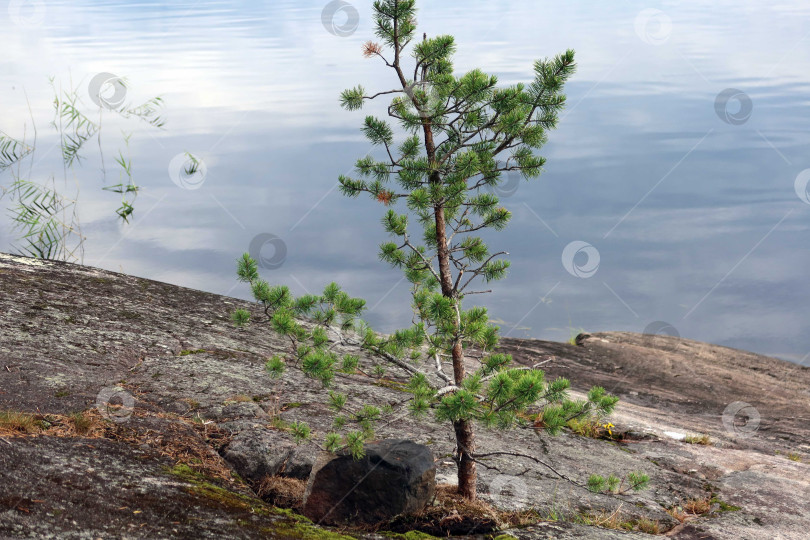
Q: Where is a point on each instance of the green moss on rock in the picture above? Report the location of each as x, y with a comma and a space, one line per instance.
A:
290, 524
192, 351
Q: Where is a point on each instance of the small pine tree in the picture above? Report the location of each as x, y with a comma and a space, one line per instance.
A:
460, 135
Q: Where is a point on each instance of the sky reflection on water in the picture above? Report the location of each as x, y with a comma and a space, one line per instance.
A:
696, 220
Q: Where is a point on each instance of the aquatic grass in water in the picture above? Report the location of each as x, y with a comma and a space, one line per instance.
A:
45, 215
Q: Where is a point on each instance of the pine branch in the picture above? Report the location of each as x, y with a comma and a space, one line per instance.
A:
478, 271
428, 265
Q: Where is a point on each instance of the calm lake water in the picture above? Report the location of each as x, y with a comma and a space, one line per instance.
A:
680, 165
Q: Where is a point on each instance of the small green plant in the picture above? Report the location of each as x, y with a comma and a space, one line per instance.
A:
81, 423
192, 166
350, 363
702, 439
128, 190
552, 514
649, 526
337, 401
724, 506
592, 426
300, 431
572, 335
189, 352
275, 366
792, 456
240, 317
633, 481
379, 370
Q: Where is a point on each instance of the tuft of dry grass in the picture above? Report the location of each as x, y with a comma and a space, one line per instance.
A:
180, 439
691, 508
282, 491
649, 526
607, 520
15, 423
698, 506
82, 423
701, 438
677, 513
452, 514
239, 398
617, 520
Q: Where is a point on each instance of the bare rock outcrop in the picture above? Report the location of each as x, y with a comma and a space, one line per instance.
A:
183, 460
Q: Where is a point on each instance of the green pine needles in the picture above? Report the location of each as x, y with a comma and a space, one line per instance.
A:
311, 350
309, 344
634, 481
458, 135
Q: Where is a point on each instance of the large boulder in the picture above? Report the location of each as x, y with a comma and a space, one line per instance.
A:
396, 476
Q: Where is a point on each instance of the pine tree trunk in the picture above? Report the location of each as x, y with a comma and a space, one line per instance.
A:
465, 437
465, 445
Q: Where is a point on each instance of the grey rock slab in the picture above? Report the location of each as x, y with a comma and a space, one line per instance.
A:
258, 452
69, 332
96, 488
